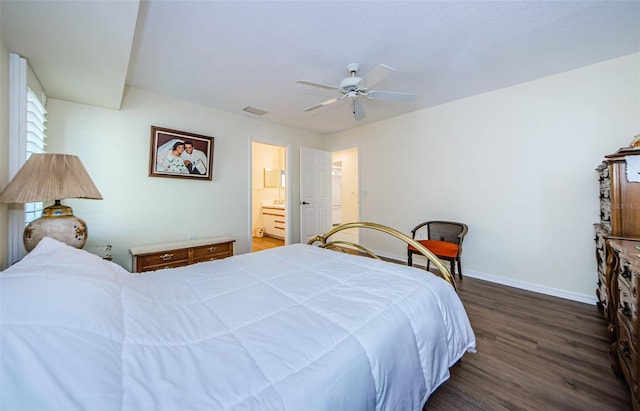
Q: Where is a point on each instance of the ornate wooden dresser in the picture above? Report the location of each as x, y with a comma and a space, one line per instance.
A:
618, 263
625, 265
179, 253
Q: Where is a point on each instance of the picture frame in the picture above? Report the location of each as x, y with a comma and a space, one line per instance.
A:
169, 155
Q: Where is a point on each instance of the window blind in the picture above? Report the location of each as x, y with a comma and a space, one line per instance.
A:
35, 139
27, 135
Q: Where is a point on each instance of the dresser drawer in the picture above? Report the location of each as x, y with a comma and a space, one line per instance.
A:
625, 299
163, 259
625, 349
180, 253
212, 252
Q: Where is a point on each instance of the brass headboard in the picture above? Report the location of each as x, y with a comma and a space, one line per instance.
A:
342, 244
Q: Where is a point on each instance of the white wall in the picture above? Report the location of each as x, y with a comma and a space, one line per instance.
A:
517, 165
137, 209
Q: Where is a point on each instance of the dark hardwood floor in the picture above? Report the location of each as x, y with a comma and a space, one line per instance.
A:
534, 352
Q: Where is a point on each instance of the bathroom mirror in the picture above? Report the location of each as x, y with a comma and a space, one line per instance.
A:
271, 177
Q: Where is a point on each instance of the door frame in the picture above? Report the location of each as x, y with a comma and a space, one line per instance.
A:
287, 196
357, 171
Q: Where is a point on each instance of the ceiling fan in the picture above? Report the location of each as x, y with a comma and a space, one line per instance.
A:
354, 87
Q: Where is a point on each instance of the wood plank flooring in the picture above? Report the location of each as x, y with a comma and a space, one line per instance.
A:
534, 352
263, 243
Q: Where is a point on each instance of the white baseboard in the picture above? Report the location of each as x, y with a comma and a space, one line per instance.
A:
568, 295
537, 288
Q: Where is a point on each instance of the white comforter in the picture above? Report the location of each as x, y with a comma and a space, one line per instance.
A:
295, 328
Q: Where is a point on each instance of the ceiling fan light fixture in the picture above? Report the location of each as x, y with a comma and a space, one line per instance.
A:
354, 87
350, 83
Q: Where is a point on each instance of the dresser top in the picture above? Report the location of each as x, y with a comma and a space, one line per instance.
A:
623, 152
628, 249
174, 245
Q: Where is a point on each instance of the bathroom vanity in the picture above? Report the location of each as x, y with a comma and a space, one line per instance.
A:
274, 219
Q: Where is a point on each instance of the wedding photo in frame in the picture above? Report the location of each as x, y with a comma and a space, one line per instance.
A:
178, 154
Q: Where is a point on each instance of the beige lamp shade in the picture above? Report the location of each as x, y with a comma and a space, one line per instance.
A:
47, 177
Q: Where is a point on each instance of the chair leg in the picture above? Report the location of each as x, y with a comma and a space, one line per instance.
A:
409, 259
428, 264
459, 268
452, 263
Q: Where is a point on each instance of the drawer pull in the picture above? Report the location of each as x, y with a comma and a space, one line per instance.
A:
166, 257
624, 350
212, 249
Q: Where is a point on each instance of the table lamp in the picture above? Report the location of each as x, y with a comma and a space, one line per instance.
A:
47, 177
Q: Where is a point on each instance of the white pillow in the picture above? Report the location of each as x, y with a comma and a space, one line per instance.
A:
52, 256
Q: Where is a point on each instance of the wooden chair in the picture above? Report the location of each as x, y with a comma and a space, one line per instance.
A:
444, 239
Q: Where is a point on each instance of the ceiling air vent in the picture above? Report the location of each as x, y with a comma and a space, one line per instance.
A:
254, 110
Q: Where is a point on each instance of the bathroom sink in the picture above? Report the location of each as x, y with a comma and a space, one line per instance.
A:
273, 204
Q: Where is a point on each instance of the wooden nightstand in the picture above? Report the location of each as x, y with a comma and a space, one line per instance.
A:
179, 253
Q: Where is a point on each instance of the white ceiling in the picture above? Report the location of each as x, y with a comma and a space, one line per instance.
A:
233, 54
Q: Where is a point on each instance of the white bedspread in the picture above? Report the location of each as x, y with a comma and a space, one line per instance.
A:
292, 328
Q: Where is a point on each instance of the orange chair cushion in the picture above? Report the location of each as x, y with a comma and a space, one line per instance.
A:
439, 248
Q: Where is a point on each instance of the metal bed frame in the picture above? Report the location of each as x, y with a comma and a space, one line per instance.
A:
341, 245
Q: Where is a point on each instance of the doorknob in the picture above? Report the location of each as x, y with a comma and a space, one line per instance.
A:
304, 203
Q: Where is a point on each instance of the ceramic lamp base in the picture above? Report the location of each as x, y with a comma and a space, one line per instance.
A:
59, 223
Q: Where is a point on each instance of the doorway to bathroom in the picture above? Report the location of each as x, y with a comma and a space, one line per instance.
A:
269, 208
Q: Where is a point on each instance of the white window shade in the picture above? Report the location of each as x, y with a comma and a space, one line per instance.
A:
35, 143
27, 135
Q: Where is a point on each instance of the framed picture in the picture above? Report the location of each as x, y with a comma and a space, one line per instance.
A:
178, 154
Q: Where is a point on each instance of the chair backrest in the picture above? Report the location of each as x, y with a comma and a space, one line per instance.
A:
450, 231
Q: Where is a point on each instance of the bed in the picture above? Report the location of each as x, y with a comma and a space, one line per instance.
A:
298, 327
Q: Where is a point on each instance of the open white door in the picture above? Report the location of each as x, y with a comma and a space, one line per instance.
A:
315, 192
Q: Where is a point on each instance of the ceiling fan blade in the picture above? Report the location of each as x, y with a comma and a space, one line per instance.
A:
358, 110
391, 96
320, 85
324, 103
379, 73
